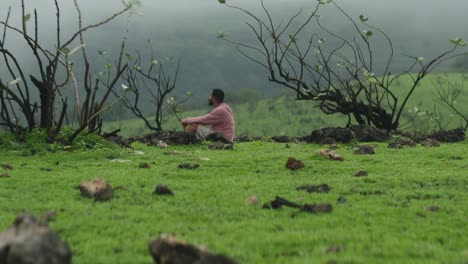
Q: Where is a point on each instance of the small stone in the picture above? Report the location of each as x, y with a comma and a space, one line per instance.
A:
433, 208
162, 144
331, 154
97, 189
188, 166
294, 164
229, 147
5, 175
364, 150
342, 200
395, 145
360, 173
162, 189
7, 166
252, 200
144, 165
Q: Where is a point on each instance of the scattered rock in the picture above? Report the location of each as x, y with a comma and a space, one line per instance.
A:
364, 150
454, 135
284, 139
366, 133
402, 142
242, 138
162, 189
331, 154
98, 189
335, 249
294, 164
7, 166
433, 208
257, 138
118, 140
162, 144
252, 200
144, 165
168, 250
360, 173
321, 188
279, 202
29, 240
188, 166
342, 200
430, 142
395, 145
331, 135
218, 137
5, 175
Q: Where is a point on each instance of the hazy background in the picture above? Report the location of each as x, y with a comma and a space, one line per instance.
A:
187, 29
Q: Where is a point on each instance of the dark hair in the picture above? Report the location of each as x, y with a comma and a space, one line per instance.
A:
218, 94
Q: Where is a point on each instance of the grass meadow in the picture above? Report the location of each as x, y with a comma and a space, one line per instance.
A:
386, 217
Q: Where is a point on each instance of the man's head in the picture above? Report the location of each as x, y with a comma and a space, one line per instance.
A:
216, 97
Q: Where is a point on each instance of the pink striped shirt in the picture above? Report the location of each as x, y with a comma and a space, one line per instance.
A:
221, 120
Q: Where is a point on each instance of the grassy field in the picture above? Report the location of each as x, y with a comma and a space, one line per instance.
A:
284, 115
384, 220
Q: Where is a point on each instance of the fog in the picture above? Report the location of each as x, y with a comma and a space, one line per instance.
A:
187, 29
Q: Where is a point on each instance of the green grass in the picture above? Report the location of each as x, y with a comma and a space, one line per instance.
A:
383, 221
284, 115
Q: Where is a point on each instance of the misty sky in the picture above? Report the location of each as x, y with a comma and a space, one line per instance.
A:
186, 28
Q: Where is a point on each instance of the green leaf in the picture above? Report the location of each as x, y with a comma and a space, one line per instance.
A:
222, 1
367, 33
363, 18
457, 41
101, 52
76, 49
129, 56
26, 18
154, 62
324, 2
65, 51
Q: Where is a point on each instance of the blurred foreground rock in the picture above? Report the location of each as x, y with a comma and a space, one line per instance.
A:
30, 241
168, 250
97, 189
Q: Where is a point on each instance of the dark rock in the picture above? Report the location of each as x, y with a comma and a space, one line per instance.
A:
331, 154
168, 250
430, 142
119, 140
257, 138
342, 200
217, 137
7, 166
30, 241
360, 173
321, 188
283, 139
5, 175
98, 189
144, 165
317, 208
364, 150
454, 135
395, 145
162, 189
433, 208
188, 166
331, 136
294, 164
365, 133
402, 142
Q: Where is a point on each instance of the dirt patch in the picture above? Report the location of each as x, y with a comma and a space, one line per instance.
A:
169, 137
279, 202
365, 150
162, 189
7, 166
252, 200
455, 158
168, 250
144, 165
294, 164
433, 208
5, 175
321, 188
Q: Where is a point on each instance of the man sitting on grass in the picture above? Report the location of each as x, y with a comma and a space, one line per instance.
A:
219, 120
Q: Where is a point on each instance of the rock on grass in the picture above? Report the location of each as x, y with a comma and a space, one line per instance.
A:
331, 154
360, 173
162, 189
364, 150
98, 189
168, 250
29, 241
294, 164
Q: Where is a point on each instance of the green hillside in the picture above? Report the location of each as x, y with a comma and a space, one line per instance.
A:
284, 115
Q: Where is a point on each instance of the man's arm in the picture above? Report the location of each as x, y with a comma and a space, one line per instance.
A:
213, 117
